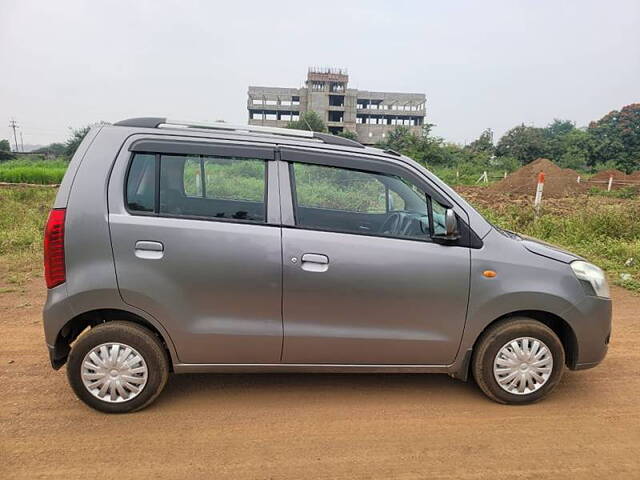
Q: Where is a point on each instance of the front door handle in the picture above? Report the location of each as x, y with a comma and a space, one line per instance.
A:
149, 250
314, 262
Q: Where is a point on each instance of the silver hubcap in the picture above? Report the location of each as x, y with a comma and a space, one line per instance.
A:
114, 372
523, 365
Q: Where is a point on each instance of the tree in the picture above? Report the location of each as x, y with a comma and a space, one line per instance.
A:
484, 143
73, 142
5, 150
556, 135
616, 137
57, 149
348, 134
77, 135
426, 148
523, 143
399, 139
575, 149
309, 120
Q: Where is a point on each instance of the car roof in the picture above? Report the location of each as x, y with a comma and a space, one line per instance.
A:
255, 133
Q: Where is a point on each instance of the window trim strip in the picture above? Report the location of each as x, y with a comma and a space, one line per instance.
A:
173, 147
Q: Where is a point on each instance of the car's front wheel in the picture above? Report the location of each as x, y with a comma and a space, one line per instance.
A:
518, 361
117, 367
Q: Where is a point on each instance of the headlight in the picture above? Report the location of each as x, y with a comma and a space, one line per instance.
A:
592, 278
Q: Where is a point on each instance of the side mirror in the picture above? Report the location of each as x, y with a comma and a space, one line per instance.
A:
451, 223
451, 227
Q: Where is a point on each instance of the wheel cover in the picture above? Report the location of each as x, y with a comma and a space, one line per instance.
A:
523, 365
114, 372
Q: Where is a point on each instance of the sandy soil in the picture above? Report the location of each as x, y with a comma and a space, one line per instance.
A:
317, 426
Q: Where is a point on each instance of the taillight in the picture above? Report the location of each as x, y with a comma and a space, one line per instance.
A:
54, 271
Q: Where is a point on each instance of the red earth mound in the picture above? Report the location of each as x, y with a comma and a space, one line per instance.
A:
601, 179
559, 182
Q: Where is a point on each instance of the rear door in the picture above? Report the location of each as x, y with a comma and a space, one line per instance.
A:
197, 245
363, 281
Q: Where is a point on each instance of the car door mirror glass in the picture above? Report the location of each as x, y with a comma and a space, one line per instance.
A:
445, 223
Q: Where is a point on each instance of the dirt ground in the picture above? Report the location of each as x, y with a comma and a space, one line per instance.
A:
316, 426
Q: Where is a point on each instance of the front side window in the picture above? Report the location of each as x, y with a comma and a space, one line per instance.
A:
197, 186
338, 189
352, 201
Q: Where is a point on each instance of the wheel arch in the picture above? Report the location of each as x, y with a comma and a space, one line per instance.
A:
78, 324
560, 327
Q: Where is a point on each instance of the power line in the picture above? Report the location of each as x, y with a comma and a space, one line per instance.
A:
14, 125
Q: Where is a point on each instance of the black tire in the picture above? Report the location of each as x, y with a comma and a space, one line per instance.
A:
141, 339
494, 339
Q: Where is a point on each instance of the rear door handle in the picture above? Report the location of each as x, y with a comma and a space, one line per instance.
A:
149, 250
314, 262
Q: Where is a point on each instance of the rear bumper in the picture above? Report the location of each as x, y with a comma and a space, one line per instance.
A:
57, 356
591, 323
586, 366
56, 313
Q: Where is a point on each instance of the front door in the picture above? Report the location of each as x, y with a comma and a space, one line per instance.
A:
363, 283
194, 249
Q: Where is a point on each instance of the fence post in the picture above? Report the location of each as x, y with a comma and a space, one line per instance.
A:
578, 178
538, 200
610, 182
486, 178
505, 174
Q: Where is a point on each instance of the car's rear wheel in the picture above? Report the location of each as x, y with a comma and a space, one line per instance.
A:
518, 361
117, 367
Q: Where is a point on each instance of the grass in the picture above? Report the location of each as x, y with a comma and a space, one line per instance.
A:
466, 175
624, 192
45, 172
601, 228
604, 231
23, 213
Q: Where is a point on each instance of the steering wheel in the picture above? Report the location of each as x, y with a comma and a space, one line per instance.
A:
393, 223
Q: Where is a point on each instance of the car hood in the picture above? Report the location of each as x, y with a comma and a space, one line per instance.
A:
547, 250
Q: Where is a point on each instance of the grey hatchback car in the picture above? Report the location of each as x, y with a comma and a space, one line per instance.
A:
184, 247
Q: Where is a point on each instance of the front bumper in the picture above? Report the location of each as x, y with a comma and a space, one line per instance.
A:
591, 323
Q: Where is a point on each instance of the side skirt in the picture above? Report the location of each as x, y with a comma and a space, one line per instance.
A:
306, 368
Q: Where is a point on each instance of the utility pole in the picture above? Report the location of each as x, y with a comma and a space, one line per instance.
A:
14, 125
21, 142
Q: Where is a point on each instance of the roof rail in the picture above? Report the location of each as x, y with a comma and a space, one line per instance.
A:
160, 122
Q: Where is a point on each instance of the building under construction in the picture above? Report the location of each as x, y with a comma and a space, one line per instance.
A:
371, 115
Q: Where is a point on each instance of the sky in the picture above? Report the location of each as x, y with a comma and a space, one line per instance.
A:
65, 64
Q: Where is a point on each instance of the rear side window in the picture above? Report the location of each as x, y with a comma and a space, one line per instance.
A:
198, 186
141, 183
217, 187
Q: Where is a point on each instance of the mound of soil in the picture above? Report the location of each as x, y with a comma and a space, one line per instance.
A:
634, 176
558, 182
601, 179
